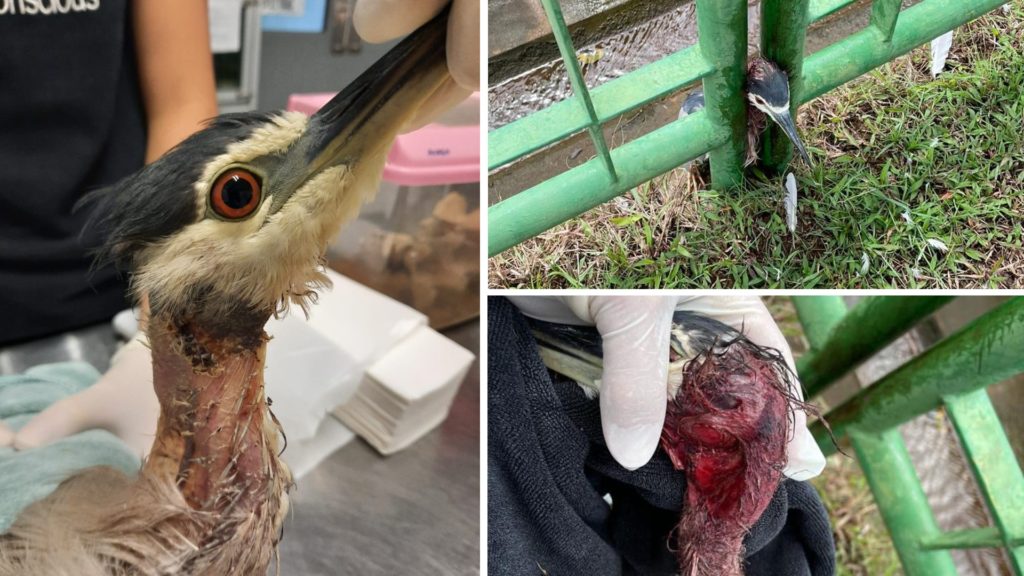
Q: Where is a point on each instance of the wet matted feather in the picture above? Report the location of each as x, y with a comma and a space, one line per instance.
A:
729, 417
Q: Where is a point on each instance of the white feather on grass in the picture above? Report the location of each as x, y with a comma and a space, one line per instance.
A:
938, 245
790, 203
940, 51
865, 264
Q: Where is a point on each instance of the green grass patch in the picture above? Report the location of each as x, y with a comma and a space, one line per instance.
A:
900, 159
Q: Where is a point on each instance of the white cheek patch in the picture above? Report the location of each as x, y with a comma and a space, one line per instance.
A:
763, 106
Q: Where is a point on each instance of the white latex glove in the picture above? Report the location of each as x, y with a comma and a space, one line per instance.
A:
633, 386
122, 401
383, 20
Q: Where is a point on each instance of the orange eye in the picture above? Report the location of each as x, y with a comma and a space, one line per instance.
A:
235, 194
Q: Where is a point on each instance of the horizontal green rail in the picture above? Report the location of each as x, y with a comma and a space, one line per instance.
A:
611, 99
985, 352
545, 206
863, 51
845, 339
891, 34
953, 375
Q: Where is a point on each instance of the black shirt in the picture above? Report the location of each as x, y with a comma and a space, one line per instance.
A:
71, 120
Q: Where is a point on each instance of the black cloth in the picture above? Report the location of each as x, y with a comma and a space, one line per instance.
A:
71, 120
548, 470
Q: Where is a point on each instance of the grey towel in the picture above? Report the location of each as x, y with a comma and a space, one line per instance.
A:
548, 472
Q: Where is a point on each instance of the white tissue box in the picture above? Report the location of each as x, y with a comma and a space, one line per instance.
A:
408, 391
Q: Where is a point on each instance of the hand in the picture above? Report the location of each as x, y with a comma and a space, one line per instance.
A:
382, 20
122, 401
633, 386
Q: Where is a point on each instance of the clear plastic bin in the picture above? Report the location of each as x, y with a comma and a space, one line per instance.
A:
418, 241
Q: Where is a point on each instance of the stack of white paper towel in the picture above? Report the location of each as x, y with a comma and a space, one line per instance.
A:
371, 361
407, 392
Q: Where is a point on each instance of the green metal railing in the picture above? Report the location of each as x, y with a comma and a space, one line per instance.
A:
952, 375
719, 60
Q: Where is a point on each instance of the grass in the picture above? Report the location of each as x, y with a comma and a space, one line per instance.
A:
900, 159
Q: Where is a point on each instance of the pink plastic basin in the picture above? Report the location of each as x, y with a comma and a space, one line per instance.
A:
433, 155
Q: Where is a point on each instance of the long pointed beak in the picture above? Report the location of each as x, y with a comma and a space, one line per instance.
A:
364, 118
785, 121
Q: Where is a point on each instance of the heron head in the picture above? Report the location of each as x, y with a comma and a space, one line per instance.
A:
239, 215
768, 91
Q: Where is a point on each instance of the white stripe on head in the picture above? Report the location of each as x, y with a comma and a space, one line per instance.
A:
763, 105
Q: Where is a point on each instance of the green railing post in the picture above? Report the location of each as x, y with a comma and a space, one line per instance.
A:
722, 34
955, 374
783, 31
553, 9
901, 501
995, 468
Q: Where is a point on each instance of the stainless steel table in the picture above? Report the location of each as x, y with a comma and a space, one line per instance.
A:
415, 512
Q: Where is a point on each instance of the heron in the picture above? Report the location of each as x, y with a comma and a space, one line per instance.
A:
730, 412
767, 93
222, 232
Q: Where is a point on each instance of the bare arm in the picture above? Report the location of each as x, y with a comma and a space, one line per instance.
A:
176, 79
172, 39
